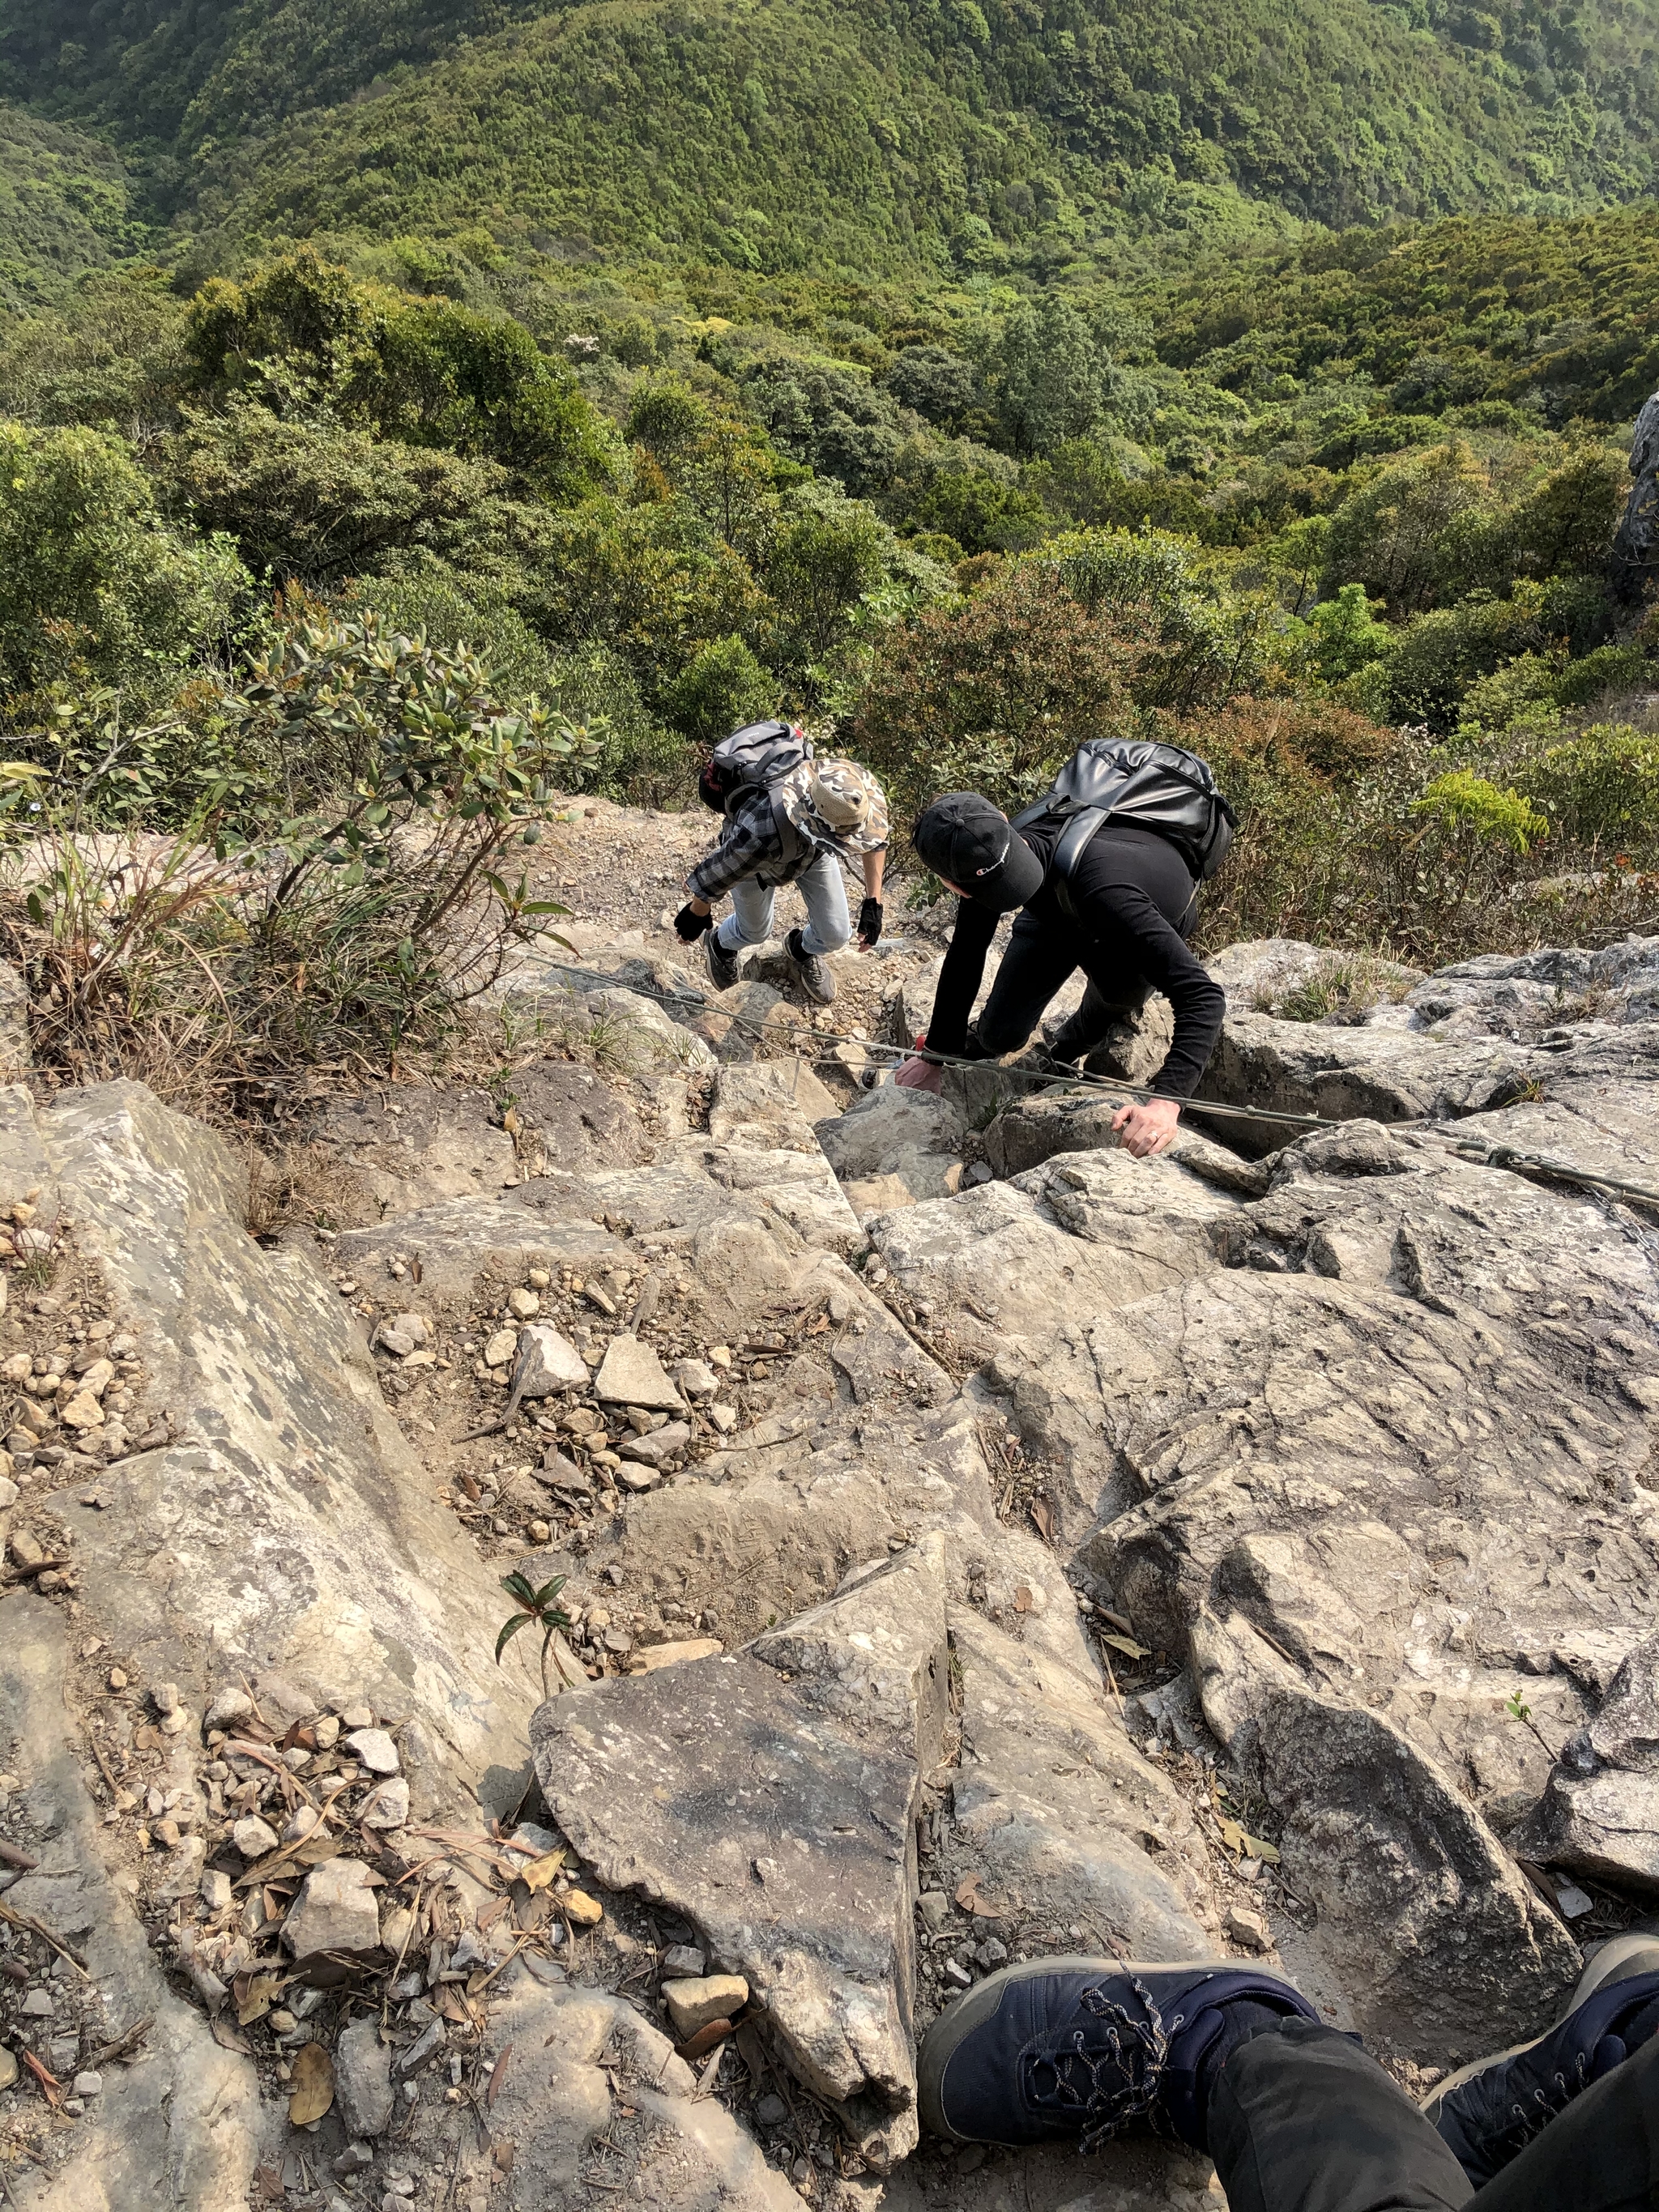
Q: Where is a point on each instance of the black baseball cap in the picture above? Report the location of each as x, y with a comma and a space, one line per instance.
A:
963, 838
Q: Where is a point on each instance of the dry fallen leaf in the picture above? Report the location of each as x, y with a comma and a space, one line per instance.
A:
1127, 1645
313, 2085
261, 1993
541, 1871
228, 2038
965, 1890
493, 2089
1043, 1518
1255, 1848
1022, 1599
705, 2039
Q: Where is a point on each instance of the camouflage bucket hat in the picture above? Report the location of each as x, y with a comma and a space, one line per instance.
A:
839, 801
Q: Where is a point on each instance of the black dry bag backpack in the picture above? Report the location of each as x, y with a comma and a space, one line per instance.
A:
1159, 787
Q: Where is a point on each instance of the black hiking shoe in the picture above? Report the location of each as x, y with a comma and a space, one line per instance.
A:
722, 964
813, 970
1078, 2048
1489, 2110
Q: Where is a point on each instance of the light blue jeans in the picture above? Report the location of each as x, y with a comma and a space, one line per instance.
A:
828, 925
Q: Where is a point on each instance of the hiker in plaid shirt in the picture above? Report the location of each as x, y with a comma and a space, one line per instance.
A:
832, 811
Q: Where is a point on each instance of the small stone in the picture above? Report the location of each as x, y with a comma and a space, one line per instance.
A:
327, 1732
583, 1911
1248, 1928
956, 1972
538, 1532
301, 1822
335, 1911
524, 1304
282, 1702
8, 2069
388, 1807
771, 2112
10, 1492
547, 1362
500, 1347
932, 1906
992, 1954
396, 1928
402, 1334
89, 2085
228, 1705
721, 1356
118, 1680
1573, 1902
632, 1375
683, 1962
648, 1657
657, 1449
725, 1417
696, 1379
692, 2004
165, 1696
253, 1837
37, 2005
356, 2158
82, 1412
362, 2080
374, 1748
538, 1279
25, 1550
283, 2021
72, 2108
216, 1890
357, 1717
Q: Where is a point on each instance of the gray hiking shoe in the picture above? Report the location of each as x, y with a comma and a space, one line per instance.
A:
813, 970
1491, 2109
722, 964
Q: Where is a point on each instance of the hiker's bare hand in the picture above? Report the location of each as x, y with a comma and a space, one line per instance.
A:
918, 1074
1148, 1129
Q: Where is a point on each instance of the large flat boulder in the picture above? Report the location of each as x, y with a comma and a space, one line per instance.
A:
770, 1796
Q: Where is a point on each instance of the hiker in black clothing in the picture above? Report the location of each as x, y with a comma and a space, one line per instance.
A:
1133, 906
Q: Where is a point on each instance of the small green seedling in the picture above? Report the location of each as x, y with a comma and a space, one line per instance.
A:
1517, 1708
540, 1606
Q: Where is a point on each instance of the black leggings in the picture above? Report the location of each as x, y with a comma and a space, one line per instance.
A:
1037, 963
1303, 2121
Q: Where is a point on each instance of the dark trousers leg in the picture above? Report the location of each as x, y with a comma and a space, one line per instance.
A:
1103, 1006
1037, 964
1302, 2121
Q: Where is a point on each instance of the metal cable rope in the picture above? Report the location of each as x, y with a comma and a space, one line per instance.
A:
1109, 1087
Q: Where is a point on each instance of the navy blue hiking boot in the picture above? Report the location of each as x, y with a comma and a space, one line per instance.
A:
1074, 2048
1489, 2110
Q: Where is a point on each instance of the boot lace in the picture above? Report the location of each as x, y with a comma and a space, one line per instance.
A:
1528, 2117
1104, 2078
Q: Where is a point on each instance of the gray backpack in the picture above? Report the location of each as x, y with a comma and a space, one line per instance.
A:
758, 758
1162, 788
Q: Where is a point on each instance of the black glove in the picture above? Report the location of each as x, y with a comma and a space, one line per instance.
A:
690, 925
870, 923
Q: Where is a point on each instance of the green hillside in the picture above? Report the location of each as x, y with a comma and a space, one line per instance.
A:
66, 204
875, 137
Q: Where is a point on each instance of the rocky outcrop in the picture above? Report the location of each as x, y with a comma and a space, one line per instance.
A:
1248, 1548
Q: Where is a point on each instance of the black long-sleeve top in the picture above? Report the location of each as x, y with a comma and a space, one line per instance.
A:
1134, 899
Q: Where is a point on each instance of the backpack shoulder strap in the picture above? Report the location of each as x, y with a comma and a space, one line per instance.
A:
1067, 853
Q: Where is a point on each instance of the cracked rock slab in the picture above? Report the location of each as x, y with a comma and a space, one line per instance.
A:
1431, 1930
770, 1797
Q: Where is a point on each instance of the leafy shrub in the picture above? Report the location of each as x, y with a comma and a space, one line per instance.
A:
1439, 656
723, 687
1400, 536
92, 579
1603, 787
217, 959
994, 693
320, 502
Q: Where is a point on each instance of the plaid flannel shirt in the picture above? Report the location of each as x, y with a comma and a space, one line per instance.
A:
749, 844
